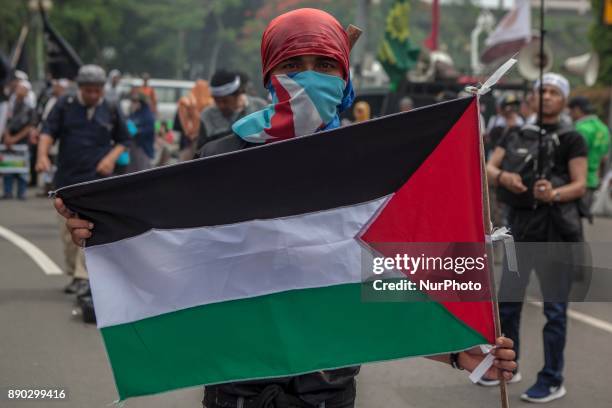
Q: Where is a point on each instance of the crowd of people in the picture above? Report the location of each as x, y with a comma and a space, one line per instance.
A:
77, 132
24, 115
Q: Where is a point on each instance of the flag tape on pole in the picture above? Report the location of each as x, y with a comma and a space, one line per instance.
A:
484, 365
503, 234
492, 80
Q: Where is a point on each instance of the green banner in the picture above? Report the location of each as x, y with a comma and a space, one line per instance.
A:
397, 53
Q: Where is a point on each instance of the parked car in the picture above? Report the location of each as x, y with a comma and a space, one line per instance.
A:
168, 92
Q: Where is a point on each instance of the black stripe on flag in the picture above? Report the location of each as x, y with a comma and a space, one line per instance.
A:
326, 170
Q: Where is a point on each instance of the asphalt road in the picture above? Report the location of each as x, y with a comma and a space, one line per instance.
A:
43, 345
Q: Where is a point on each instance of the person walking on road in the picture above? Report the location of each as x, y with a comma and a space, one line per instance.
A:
19, 126
92, 134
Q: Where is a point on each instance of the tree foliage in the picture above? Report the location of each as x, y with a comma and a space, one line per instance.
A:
190, 38
12, 16
601, 38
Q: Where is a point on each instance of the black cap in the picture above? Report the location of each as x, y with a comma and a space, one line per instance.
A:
581, 102
222, 77
509, 100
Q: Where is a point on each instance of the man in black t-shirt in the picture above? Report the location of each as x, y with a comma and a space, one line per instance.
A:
92, 135
552, 216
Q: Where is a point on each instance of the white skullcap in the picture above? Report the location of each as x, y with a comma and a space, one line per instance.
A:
22, 76
26, 84
556, 80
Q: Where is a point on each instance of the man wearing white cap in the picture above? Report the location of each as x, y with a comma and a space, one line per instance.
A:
543, 208
22, 77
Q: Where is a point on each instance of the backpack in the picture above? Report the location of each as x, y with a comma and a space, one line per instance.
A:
522, 152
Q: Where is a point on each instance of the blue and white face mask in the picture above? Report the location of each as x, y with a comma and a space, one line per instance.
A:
302, 103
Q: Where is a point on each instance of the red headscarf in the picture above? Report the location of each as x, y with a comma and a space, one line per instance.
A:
303, 32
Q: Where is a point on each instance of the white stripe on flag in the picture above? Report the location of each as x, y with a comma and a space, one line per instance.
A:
162, 271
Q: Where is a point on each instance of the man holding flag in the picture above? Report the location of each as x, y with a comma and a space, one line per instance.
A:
305, 58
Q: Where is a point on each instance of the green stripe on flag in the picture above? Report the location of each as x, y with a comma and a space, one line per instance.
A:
275, 335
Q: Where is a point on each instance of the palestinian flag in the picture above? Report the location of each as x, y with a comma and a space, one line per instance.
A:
249, 264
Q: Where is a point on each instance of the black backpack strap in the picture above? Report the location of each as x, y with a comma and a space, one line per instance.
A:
62, 103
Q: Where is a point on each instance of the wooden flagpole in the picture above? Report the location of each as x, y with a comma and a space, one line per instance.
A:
503, 389
23, 34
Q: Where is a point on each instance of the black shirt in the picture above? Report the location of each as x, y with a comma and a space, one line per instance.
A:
496, 134
571, 145
83, 141
558, 222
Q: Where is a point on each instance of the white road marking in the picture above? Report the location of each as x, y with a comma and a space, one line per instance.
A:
46, 264
585, 318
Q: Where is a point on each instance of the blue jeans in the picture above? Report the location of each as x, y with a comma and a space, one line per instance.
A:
22, 185
555, 284
554, 335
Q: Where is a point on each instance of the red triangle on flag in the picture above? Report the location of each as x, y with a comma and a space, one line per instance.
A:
442, 203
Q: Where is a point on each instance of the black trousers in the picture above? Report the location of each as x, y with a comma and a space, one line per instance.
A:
547, 244
277, 396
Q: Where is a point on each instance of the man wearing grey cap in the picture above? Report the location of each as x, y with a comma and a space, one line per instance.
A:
92, 135
543, 208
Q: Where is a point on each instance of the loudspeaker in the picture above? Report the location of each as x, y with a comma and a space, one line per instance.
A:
529, 60
586, 65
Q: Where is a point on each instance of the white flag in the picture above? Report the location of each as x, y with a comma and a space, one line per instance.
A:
511, 34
